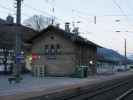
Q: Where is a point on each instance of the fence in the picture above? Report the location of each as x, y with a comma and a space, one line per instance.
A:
38, 70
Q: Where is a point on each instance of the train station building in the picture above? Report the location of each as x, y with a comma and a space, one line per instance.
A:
53, 51
59, 52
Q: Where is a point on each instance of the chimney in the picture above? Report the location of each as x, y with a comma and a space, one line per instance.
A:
76, 30
9, 19
76, 33
58, 25
67, 27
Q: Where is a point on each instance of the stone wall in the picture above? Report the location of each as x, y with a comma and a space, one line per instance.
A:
58, 64
67, 54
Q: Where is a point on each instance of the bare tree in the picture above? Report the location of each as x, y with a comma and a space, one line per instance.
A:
38, 22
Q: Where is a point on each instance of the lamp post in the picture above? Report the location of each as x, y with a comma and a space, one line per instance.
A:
125, 47
125, 50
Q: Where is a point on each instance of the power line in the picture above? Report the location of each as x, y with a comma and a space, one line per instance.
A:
114, 1
4, 12
9, 9
38, 10
86, 14
119, 7
130, 5
43, 12
124, 15
111, 15
24, 14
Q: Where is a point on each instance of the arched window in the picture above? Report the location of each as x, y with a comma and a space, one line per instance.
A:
52, 46
46, 49
52, 49
58, 49
52, 37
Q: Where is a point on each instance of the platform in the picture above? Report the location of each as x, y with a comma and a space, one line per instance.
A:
31, 86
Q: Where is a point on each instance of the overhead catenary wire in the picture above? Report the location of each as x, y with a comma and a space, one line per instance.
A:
108, 15
24, 14
75, 10
4, 11
119, 7
85, 16
43, 12
36, 9
9, 10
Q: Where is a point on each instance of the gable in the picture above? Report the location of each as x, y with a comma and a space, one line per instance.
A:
54, 38
68, 35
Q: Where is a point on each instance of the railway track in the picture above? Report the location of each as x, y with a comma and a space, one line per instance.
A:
128, 95
108, 90
107, 93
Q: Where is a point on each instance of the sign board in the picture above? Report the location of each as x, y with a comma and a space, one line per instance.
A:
35, 56
19, 57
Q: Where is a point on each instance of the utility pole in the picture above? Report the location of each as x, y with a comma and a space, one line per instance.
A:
18, 42
95, 20
125, 47
18, 14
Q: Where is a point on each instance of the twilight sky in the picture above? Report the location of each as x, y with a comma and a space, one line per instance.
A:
107, 12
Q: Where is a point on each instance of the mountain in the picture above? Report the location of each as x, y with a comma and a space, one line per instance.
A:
130, 56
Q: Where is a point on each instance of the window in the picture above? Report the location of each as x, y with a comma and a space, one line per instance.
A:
46, 49
52, 46
51, 54
58, 50
46, 46
52, 37
58, 46
52, 49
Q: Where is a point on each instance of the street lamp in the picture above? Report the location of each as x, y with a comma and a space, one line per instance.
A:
91, 62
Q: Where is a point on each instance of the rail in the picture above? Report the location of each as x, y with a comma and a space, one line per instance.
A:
100, 91
90, 92
125, 95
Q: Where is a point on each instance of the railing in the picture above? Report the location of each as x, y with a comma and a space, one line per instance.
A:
38, 70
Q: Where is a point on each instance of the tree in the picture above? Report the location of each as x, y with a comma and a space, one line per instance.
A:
38, 22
